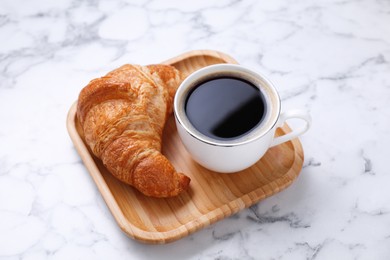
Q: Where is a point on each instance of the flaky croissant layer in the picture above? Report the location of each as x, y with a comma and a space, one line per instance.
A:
123, 116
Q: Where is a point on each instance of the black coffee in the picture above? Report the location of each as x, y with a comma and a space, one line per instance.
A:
225, 108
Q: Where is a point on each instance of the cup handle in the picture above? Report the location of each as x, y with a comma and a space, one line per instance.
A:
300, 114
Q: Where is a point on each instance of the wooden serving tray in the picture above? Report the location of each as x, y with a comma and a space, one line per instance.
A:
211, 197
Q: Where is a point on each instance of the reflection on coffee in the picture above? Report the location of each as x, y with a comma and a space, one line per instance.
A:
225, 108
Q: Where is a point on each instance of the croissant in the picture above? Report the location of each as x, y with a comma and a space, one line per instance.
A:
123, 115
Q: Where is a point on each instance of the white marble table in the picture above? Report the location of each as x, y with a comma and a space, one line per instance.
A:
330, 57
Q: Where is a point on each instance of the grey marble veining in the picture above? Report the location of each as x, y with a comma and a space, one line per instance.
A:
329, 57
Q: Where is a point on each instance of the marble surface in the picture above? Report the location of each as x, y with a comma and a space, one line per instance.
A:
329, 57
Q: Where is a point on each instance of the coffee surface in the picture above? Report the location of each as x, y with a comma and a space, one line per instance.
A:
225, 108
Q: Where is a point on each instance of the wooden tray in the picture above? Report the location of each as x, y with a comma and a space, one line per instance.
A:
211, 197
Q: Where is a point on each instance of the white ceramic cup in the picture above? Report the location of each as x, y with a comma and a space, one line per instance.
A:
233, 155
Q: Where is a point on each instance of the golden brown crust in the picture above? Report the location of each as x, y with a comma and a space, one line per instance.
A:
123, 115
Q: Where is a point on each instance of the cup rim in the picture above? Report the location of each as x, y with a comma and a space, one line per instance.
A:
260, 81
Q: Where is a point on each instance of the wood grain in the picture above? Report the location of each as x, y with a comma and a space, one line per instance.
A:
211, 197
